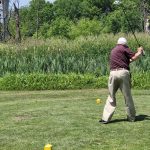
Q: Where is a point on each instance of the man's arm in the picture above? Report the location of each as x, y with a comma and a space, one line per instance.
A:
137, 54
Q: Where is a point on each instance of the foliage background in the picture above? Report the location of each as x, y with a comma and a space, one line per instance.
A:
88, 54
67, 64
69, 18
70, 40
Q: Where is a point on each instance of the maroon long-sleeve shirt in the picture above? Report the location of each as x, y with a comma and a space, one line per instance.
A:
120, 57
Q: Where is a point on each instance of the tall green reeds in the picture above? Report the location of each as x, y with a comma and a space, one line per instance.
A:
82, 55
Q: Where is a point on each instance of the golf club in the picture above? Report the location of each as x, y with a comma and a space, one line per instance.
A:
117, 2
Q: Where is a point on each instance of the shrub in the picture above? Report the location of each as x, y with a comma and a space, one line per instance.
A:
85, 27
60, 27
51, 81
64, 81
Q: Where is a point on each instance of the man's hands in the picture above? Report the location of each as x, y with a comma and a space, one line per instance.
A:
140, 51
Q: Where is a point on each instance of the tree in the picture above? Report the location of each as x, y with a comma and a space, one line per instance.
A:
17, 18
29, 16
145, 9
60, 27
67, 8
42, 16
85, 27
116, 21
77, 9
25, 22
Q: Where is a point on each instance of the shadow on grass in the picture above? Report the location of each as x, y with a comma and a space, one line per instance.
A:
138, 118
118, 120
142, 117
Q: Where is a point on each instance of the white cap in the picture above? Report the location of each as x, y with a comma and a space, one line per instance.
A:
122, 41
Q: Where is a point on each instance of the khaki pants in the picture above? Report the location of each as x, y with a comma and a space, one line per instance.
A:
119, 79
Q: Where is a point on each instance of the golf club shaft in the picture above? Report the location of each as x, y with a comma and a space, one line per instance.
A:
143, 53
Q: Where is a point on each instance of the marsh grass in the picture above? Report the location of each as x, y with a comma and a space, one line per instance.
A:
82, 55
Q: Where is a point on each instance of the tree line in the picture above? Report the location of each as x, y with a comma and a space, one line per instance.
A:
73, 18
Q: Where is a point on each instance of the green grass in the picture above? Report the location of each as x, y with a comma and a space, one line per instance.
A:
69, 121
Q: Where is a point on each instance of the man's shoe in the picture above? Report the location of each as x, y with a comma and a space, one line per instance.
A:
130, 119
103, 122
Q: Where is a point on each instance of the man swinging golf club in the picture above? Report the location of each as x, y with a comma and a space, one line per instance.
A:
120, 58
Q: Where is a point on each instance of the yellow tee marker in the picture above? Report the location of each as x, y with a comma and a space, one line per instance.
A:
98, 101
48, 147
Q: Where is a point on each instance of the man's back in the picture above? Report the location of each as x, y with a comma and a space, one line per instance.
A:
120, 57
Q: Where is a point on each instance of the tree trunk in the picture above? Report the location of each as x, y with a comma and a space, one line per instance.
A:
4, 13
144, 9
18, 34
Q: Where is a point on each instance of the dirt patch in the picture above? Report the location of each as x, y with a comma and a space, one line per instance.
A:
22, 117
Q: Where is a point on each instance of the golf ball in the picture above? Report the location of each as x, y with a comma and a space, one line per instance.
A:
98, 101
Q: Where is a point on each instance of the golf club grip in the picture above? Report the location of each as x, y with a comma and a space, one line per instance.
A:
143, 53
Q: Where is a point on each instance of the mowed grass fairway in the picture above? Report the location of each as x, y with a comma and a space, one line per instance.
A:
69, 121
